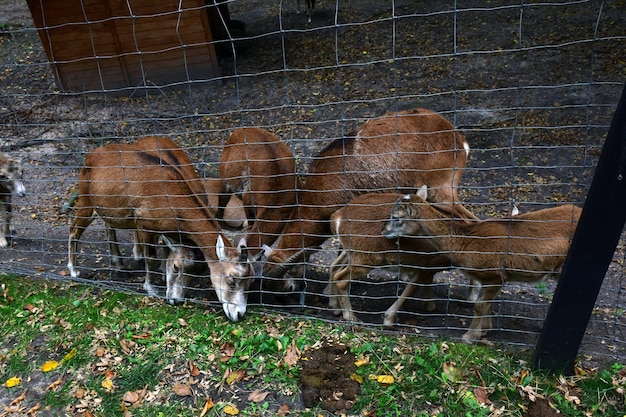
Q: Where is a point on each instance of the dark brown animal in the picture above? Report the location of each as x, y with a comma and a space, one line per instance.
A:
527, 247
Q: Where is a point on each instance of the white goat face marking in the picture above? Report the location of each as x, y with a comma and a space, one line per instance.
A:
231, 277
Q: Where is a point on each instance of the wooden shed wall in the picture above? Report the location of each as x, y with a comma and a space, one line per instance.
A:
112, 44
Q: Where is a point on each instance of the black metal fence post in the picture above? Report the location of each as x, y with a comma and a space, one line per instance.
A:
590, 254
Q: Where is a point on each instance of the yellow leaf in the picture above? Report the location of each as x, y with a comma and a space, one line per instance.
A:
11, 382
362, 361
107, 384
231, 410
385, 379
69, 356
356, 378
49, 366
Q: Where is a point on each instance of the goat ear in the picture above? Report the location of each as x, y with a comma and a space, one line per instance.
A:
422, 192
220, 248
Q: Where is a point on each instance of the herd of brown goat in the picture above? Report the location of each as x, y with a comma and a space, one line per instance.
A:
387, 192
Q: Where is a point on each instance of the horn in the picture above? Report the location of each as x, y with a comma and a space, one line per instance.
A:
279, 270
302, 255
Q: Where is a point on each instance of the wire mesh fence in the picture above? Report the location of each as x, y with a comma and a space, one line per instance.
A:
532, 86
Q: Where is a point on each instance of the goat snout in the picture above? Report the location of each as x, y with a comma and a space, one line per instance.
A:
234, 312
175, 301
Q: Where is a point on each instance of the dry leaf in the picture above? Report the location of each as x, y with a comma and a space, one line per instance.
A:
33, 409
227, 350
207, 406
182, 390
100, 352
231, 410
291, 357
56, 384
257, 396
18, 400
193, 369
283, 410
481, 395
49, 366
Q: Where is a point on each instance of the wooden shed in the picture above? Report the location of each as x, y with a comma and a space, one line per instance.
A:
108, 45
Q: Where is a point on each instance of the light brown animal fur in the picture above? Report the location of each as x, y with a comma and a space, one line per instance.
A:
527, 247
131, 188
395, 152
358, 227
10, 183
262, 168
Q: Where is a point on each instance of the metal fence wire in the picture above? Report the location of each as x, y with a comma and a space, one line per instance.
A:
532, 87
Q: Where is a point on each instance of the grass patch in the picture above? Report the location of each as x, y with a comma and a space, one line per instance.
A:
115, 353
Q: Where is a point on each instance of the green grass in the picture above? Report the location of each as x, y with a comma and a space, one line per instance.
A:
110, 345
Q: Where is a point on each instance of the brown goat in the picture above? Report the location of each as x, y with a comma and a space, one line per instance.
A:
395, 152
257, 164
527, 247
131, 188
358, 227
10, 182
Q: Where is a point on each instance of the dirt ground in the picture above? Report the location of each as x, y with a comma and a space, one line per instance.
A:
530, 88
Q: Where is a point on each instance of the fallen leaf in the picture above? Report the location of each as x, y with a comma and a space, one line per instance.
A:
451, 372
257, 396
49, 366
182, 390
107, 384
385, 379
100, 351
56, 384
19, 399
231, 410
69, 356
208, 404
283, 410
193, 369
11, 382
227, 350
235, 376
362, 361
356, 378
291, 356
481, 395
33, 410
